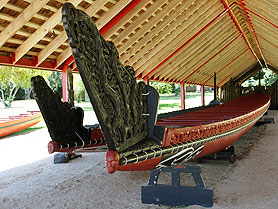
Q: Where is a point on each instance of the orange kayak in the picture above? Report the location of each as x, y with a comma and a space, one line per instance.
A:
18, 123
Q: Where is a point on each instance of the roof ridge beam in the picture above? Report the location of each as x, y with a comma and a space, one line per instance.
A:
253, 30
235, 20
20, 20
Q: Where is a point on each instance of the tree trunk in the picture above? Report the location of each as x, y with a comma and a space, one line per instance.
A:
27, 93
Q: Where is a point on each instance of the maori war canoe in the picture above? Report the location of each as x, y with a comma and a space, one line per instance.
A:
130, 130
18, 123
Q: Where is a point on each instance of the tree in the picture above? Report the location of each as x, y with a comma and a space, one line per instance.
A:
12, 78
9, 77
55, 82
268, 77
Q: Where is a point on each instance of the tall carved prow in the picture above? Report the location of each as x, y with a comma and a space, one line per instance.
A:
120, 103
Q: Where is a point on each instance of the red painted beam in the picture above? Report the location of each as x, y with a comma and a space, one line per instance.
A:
227, 64
28, 63
119, 16
212, 57
238, 27
267, 40
252, 29
249, 10
187, 42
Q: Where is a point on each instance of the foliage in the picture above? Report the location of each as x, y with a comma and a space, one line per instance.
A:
165, 88
268, 77
79, 89
55, 82
13, 78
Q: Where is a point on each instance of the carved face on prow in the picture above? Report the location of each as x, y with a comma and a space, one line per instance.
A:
112, 161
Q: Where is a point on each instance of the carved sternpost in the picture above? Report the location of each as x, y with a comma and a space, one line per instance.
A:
118, 100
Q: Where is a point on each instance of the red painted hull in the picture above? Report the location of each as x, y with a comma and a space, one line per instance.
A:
193, 141
18, 123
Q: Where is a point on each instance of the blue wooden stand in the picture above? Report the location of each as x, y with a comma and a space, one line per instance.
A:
175, 194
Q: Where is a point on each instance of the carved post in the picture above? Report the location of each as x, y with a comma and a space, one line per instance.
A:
70, 91
182, 95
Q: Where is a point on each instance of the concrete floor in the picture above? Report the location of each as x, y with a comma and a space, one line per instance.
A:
250, 182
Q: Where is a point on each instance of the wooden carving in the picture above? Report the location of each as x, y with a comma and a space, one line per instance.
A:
64, 123
118, 100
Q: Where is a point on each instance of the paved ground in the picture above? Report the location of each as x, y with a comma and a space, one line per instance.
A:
84, 183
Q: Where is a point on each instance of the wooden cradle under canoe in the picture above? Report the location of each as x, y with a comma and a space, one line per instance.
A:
14, 124
129, 129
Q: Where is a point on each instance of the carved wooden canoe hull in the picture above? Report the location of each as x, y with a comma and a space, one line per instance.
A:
127, 110
18, 123
186, 143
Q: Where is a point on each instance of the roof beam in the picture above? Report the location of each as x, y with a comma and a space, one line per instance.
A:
227, 65
99, 23
189, 58
188, 27
141, 19
161, 30
253, 30
121, 18
152, 23
62, 37
276, 26
41, 32
20, 20
3, 3
239, 25
248, 74
187, 42
212, 57
125, 19
236, 69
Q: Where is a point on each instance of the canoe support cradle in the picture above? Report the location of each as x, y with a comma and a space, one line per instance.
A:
175, 194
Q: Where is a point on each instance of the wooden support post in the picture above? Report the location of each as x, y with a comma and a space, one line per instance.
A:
70, 92
260, 78
64, 84
67, 86
215, 87
182, 96
203, 95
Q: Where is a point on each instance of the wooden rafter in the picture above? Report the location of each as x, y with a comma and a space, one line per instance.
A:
161, 40
99, 23
3, 3
62, 37
20, 20
41, 32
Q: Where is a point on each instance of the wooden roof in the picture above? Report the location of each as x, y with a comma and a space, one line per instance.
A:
170, 40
